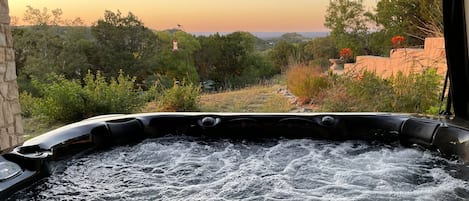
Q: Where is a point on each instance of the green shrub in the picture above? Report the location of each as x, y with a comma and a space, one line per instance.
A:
27, 102
366, 92
116, 96
370, 92
179, 98
412, 93
62, 99
306, 82
417, 92
67, 100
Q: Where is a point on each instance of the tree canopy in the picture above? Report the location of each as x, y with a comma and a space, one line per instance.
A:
348, 24
415, 18
122, 43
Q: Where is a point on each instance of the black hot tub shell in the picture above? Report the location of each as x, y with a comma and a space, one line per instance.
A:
33, 156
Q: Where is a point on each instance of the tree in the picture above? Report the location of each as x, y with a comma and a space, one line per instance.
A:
282, 55
208, 57
122, 42
348, 24
321, 49
231, 60
176, 64
236, 48
37, 17
47, 47
293, 38
415, 18
432, 15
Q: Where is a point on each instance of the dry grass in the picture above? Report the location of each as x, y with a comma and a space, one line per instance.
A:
253, 99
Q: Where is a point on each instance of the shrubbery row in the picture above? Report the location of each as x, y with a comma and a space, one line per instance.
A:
65, 100
366, 91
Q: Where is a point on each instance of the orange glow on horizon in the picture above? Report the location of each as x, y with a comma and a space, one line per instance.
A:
197, 16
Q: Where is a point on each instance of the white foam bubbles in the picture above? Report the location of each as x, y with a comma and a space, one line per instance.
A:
183, 168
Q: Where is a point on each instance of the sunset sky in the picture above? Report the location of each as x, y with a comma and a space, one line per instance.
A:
199, 15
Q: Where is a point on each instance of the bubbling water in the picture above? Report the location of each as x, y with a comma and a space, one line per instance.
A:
184, 168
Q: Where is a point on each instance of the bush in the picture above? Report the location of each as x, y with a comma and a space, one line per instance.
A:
27, 102
417, 92
370, 92
365, 92
307, 82
337, 99
62, 99
67, 100
116, 96
413, 93
181, 97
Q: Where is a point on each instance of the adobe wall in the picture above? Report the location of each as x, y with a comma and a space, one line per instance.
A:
11, 128
405, 60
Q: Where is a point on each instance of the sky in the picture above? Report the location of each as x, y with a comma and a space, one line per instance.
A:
198, 15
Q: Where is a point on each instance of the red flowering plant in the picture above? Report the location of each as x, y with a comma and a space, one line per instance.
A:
346, 54
398, 41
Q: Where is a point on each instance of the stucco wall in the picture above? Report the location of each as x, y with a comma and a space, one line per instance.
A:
11, 128
405, 60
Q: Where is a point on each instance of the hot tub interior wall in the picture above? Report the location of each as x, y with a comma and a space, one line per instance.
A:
35, 155
431, 134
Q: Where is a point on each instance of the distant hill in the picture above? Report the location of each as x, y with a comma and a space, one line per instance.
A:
274, 35
267, 40
271, 35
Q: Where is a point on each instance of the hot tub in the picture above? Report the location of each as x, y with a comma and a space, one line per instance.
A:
46, 154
